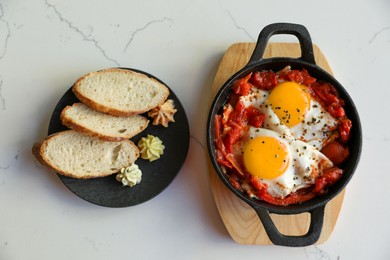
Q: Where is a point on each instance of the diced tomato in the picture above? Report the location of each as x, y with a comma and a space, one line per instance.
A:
236, 162
336, 152
226, 113
220, 153
218, 136
220, 147
236, 119
332, 99
340, 112
240, 107
322, 90
231, 138
265, 80
254, 116
259, 186
329, 177
327, 95
242, 87
320, 185
257, 121
223, 162
320, 96
296, 76
345, 129
220, 150
217, 126
252, 111
292, 198
307, 79
235, 183
335, 110
332, 175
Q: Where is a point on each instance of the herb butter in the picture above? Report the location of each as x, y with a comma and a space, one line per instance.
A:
129, 176
151, 148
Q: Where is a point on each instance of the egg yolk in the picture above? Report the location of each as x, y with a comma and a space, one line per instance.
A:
266, 157
290, 102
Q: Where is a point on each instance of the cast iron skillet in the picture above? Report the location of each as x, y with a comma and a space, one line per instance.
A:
316, 205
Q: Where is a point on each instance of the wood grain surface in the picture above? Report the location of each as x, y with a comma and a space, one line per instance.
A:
240, 220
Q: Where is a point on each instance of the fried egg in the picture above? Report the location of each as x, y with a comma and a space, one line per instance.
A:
283, 163
290, 111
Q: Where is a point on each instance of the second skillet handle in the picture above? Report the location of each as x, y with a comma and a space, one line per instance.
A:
277, 238
297, 30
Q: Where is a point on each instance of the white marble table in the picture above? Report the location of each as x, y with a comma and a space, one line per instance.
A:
46, 44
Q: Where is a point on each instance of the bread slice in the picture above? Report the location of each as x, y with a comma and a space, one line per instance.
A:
76, 155
120, 92
105, 127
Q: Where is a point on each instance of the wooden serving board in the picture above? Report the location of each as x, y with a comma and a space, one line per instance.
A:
240, 220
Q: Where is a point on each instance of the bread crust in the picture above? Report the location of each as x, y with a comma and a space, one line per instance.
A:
110, 110
75, 126
38, 151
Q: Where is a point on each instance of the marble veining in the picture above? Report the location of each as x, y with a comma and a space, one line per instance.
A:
5, 38
314, 252
86, 37
2, 99
376, 34
5, 167
239, 27
3, 50
147, 25
197, 141
92, 243
8, 165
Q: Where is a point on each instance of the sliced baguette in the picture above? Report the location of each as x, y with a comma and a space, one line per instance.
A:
120, 92
76, 155
103, 126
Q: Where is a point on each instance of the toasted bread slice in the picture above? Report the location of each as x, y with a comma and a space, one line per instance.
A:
76, 155
103, 126
120, 92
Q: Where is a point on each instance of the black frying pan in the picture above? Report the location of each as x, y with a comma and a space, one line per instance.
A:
316, 205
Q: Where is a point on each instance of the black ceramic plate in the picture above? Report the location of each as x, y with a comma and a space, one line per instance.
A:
156, 175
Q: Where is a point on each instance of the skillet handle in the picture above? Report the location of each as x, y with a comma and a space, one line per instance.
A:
297, 30
277, 238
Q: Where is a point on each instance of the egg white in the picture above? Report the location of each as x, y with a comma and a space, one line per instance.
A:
305, 164
317, 126
315, 129
256, 97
